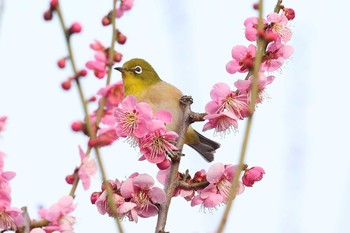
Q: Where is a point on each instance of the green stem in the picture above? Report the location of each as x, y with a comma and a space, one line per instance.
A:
254, 94
86, 112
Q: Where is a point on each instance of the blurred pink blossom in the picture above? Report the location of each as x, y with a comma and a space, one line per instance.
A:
3, 120
58, 215
87, 169
113, 93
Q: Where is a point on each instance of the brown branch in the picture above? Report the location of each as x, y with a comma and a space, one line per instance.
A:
193, 186
172, 181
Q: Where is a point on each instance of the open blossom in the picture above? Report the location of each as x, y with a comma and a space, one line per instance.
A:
125, 5
219, 177
113, 93
275, 55
243, 59
158, 142
10, 217
58, 215
98, 65
5, 176
252, 175
132, 118
223, 98
3, 120
279, 25
251, 30
244, 86
222, 121
138, 188
87, 169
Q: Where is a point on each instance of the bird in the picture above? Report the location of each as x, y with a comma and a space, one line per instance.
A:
143, 82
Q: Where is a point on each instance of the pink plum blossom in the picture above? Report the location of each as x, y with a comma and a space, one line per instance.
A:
251, 31
132, 118
87, 169
105, 137
225, 99
244, 86
98, 65
279, 26
139, 189
125, 5
219, 177
252, 175
58, 215
3, 120
275, 55
158, 142
10, 217
5, 176
97, 46
113, 93
222, 121
243, 59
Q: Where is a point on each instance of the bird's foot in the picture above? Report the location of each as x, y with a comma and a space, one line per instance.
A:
186, 100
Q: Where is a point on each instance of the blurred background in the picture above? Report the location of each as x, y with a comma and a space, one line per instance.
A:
300, 134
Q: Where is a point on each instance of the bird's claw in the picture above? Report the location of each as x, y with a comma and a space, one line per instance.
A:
186, 100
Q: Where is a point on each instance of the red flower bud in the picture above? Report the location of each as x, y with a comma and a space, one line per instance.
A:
77, 126
256, 6
289, 13
121, 38
75, 28
48, 15
53, 3
70, 179
94, 196
106, 21
66, 85
83, 73
61, 63
117, 56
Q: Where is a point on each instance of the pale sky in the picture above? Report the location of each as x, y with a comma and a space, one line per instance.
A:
299, 136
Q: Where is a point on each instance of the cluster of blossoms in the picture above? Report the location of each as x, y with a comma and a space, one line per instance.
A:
210, 189
133, 198
100, 63
58, 217
228, 106
136, 122
10, 217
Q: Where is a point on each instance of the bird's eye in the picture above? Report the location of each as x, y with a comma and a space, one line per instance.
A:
138, 70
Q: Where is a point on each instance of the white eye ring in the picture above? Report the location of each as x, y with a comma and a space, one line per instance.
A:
138, 70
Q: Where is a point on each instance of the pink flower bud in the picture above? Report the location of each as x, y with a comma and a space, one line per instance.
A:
94, 196
117, 56
75, 28
53, 3
70, 179
61, 63
83, 73
106, 21
252, 175
256, 6
121, 38
77, 126
92, 99
66, 85
200, 176
163, 165
289, 13
48, 15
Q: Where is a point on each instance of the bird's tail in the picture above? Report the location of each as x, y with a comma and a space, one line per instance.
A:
206, 147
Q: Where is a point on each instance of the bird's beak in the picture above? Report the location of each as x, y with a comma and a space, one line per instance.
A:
120, 69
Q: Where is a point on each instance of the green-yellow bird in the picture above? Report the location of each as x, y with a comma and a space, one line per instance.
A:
142, 81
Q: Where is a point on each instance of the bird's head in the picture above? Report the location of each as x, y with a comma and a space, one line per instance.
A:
137, 75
